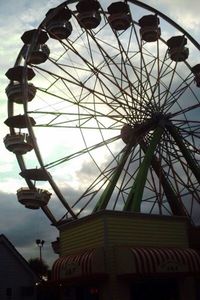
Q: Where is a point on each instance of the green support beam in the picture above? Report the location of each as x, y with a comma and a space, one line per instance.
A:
107, 193
134, 199
173, 199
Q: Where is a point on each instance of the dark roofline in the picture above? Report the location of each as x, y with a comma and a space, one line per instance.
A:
4, 239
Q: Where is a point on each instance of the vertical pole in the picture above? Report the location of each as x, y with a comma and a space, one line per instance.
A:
40, 244
40, 247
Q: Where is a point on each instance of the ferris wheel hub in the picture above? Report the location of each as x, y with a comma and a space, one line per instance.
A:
132, 134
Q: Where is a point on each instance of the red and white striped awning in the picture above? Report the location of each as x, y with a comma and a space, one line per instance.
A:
152, 260
165, 260
83, 264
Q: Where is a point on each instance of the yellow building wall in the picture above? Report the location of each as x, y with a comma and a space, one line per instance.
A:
108, 229
82, 234
146, 231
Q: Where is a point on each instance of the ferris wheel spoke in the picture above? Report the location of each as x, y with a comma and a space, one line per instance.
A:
105, 197
190, 160
87, 107
108, 59
191, 144
172, 198
89, 90
178, 182
189, 129
186, 187
152, 187
142, 91
168, 94
159, 70
147, 65
97, 69
106, 175
89, 195
134, 198
179, 171
81, 152
174, 98
185, 110
105, 91
73, 119
125, 179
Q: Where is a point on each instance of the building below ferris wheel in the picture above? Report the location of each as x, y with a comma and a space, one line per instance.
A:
125, 256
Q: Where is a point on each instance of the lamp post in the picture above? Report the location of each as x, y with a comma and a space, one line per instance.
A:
40, 244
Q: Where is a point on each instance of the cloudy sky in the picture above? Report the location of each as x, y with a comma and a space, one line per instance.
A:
20, 225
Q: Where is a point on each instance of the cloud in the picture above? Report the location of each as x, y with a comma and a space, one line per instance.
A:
182, 12
22, 227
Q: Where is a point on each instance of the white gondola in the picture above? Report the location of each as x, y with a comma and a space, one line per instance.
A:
38, 55
119, 18
177, 50
18, 143
89, 20
88, 14
15, 92
149, 28
40, 52
119, 21
59, 29
57, 24
33, 198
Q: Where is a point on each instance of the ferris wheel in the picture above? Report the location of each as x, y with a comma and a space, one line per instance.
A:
103, 112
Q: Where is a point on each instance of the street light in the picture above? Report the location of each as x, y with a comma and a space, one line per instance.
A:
40, 244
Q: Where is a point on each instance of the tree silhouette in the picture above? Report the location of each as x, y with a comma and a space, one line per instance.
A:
39, 267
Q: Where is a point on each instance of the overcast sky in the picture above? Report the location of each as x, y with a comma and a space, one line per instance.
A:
20, 225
